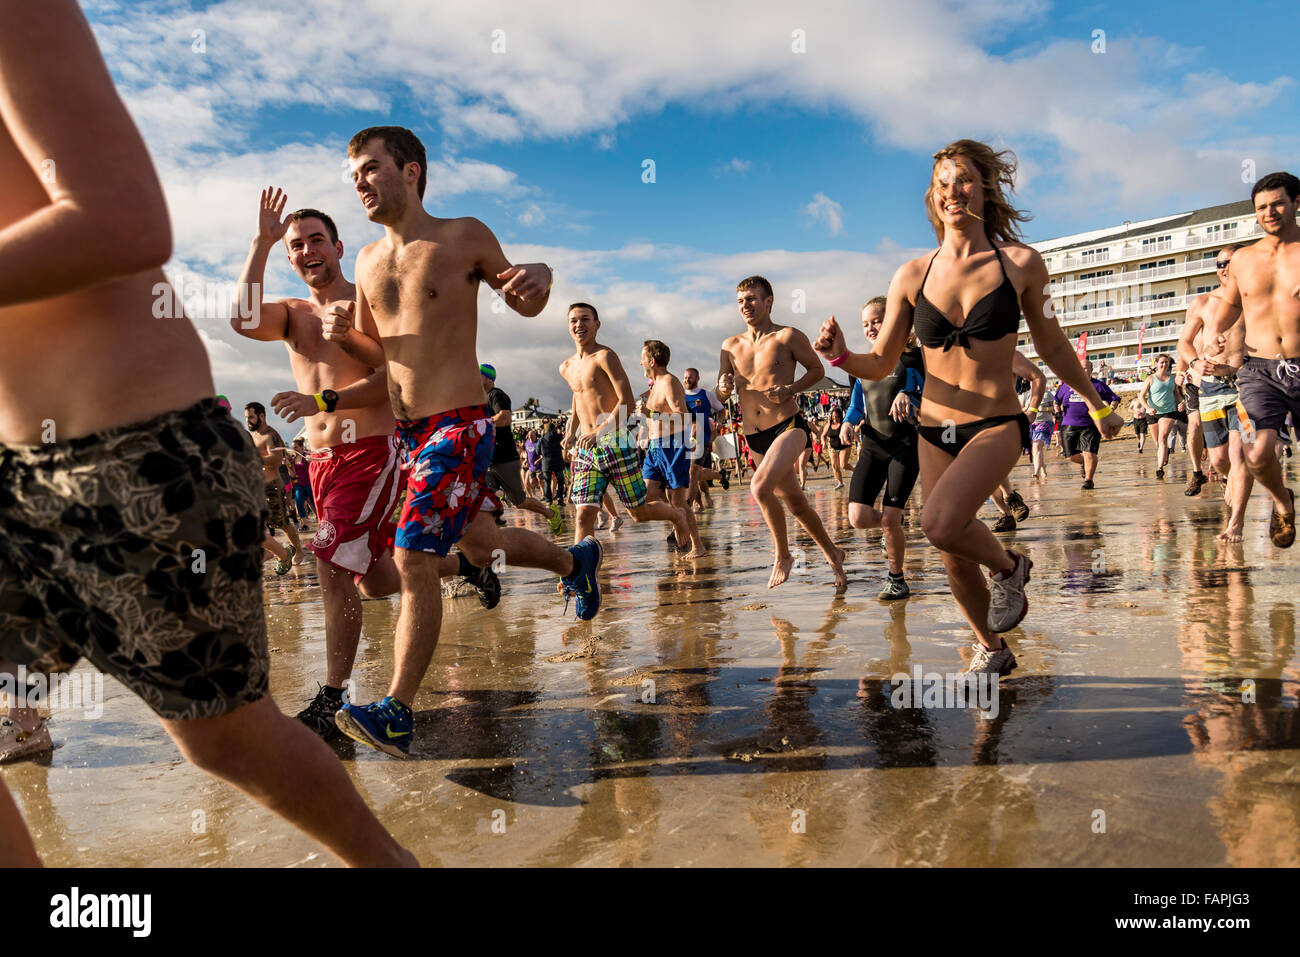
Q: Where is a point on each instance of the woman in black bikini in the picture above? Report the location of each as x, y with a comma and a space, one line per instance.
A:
971, 423
831, 441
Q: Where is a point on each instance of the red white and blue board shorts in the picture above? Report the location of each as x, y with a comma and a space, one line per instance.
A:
446, 457
355, 490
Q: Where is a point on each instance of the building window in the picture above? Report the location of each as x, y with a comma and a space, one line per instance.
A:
1155, 265
1157, 242
1157, 296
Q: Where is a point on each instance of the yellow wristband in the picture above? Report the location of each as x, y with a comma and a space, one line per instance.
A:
1098, 414
1032, 408
320, 401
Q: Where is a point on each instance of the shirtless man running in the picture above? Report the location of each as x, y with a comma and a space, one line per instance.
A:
1254, 329
104, 518
417, 299
598, 437
353, 467
1220, 424
668, 456
268, 443
759, 366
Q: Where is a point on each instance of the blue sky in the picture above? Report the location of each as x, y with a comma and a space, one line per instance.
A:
807, 167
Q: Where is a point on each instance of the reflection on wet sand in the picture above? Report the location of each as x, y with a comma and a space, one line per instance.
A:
705, 719
1241, 681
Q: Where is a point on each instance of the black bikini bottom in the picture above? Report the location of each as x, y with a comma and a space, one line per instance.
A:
762, 440
953, 438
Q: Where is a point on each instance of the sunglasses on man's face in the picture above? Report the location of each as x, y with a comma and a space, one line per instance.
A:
1221, 263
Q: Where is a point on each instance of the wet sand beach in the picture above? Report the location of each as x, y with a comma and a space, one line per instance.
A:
703, 719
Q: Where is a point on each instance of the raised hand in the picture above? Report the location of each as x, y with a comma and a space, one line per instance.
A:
726, 384
337, 323
270, 227
830, 339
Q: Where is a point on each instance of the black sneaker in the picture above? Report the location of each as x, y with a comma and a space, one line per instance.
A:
726, 482
1194, 484
1087, 484
319, 715
484, 580
1018, 507
1007, 523
1160, 473
672, 538
895, 588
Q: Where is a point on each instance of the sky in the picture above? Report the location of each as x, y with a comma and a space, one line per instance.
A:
656, 154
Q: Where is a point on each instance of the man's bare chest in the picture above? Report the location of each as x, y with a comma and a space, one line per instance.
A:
760, 359
432, 276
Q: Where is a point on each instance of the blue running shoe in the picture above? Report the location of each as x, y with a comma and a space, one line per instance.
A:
384, 725
582, 584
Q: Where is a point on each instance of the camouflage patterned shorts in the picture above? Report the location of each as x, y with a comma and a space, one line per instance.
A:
140, 549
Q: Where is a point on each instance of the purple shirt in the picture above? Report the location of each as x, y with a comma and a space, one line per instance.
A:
531, 452
303, 472
1076, 410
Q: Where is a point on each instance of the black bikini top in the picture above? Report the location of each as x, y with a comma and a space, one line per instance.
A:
994, 316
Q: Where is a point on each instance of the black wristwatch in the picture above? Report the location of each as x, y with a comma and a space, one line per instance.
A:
331, 399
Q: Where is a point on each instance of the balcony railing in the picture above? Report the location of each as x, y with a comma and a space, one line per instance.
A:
1133, 249
1129, 337
1126, 310
1128, 277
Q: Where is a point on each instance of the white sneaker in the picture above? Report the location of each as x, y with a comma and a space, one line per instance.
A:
600, 521
1000, 662
16, 743
1008, 603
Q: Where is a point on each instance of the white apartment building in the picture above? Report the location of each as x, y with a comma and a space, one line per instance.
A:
1138, 277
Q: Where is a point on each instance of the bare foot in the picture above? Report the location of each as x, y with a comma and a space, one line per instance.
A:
698, 551
836, 561
683, 530
1230, 534
780, 570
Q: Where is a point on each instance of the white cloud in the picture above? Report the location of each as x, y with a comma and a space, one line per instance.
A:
733, 167
825, 210
532, 215
572, 68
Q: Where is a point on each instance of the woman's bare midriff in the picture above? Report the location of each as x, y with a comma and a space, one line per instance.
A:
967, 387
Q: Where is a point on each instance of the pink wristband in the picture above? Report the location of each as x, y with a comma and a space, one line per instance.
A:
839, 358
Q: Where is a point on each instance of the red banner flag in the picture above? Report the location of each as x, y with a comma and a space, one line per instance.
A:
1081, 350
1140, 331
